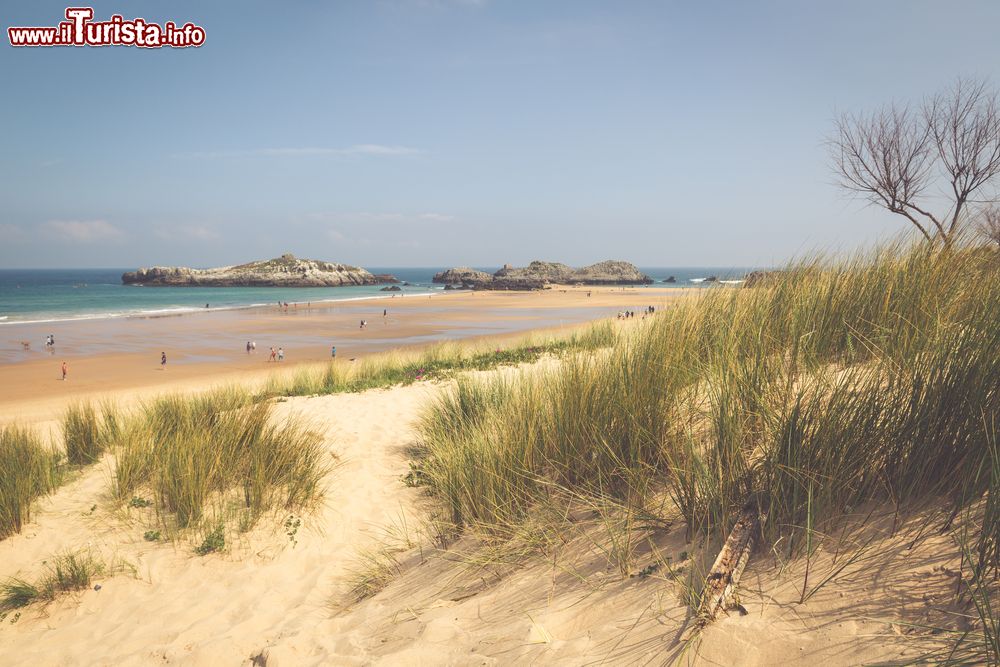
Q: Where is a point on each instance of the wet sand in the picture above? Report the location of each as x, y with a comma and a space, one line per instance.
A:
118, 357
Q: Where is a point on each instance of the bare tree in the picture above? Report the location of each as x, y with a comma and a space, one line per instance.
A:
989, 224
913, 162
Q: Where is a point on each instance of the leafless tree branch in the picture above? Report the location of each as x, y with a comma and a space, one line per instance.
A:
894, 156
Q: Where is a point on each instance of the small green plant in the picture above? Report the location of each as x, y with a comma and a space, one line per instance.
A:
416, 476
213, 542
292, 524
151, 536
139, 502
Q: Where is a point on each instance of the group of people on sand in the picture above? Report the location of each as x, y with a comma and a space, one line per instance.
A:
628, 314
276, 354
283, 305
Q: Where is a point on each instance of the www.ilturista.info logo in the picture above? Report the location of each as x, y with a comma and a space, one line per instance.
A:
80, 30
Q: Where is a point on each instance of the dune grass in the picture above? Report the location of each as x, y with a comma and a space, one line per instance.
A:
437, 362
65, 573
27, 471
224, 451
82, 434
838, 383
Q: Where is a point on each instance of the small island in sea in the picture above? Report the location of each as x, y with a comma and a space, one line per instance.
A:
284, 271
539, 274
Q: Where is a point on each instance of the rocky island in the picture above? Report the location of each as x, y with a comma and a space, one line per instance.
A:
284, 271
538, 275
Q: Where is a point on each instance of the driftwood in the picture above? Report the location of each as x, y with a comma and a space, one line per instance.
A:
725, 574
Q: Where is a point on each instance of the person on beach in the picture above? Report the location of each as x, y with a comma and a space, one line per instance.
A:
253, 345
333, 351
281, 354
273, 354
163, 361
65, 370
385, 311
248, 347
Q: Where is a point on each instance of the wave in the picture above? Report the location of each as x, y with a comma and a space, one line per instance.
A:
182, 310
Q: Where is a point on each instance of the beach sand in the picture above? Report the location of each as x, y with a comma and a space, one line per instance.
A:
120, 358
269, 596
285, 602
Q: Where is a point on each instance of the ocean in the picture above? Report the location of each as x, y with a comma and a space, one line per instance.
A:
54, 295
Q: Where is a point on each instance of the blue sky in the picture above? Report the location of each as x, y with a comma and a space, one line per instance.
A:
444, 132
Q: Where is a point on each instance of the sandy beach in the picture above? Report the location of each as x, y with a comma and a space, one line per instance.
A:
470, 333
282, 592
120, 358
282, 601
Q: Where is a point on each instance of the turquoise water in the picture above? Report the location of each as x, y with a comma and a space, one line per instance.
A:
52, 295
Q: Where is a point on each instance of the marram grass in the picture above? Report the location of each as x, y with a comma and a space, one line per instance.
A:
27, 471
836, 383
64, 573
222, 451
440, 361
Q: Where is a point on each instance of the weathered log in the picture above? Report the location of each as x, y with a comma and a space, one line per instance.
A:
725, 574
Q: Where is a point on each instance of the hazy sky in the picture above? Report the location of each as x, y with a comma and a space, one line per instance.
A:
443, 132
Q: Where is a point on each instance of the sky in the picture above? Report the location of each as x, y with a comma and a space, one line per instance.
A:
462, 132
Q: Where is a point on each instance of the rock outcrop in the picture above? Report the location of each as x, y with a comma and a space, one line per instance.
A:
610, 272
538, 275
460, 276
284, 271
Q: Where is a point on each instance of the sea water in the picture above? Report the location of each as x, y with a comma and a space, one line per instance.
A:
53, 295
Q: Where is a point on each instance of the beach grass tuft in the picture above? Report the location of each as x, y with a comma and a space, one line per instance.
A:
28, 471
82, 434
839, 382
222, 450
64, 573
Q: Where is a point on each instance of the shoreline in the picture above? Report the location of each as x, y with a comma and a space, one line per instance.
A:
191, 310
115, 359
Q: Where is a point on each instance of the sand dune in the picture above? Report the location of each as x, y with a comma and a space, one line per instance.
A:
270, 597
